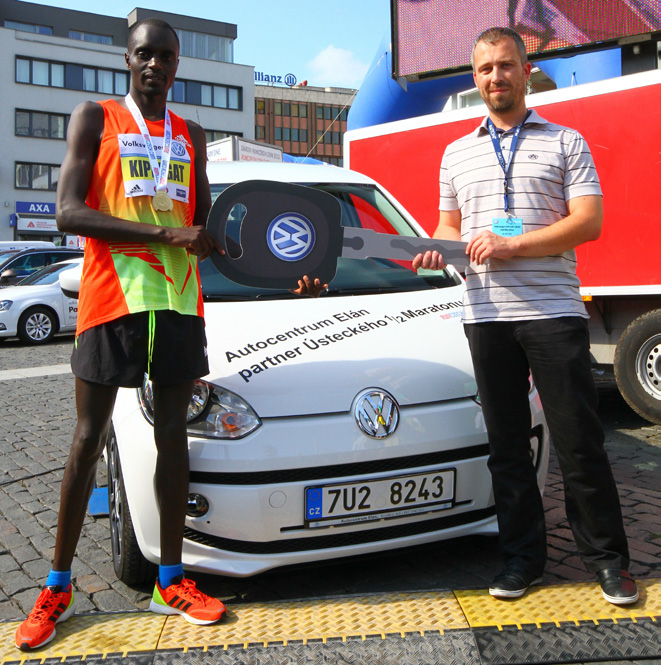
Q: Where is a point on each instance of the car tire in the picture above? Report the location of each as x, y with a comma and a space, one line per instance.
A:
129, 563
637, 365
37, 325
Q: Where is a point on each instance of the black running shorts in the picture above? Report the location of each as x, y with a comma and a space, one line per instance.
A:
117, 353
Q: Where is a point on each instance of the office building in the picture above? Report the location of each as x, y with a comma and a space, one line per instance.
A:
305, 121
51, 59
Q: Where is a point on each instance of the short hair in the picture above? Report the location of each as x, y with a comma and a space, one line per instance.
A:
156, 22
494, 35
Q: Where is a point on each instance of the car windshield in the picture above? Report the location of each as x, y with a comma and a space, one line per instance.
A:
5, 256
363, 206
48, 275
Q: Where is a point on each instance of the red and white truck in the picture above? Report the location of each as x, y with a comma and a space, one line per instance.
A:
621, 272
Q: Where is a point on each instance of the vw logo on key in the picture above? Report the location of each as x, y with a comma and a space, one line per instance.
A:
290, 236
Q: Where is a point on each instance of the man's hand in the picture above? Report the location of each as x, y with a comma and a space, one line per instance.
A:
195, 239
429, 261
486, 245
309, 287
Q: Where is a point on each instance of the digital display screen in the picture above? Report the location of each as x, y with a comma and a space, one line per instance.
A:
435, 37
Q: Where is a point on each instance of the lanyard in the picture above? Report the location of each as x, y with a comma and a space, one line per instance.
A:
159, 170
499, 152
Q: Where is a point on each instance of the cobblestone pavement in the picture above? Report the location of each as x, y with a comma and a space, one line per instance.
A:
35, 434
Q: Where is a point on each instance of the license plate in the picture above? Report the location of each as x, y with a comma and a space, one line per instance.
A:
369, 500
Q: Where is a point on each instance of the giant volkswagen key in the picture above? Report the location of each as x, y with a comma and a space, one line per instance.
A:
274, 233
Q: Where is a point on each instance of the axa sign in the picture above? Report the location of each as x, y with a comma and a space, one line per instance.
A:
35, 208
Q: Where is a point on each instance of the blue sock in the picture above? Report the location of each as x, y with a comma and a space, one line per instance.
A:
59, 578
167, 573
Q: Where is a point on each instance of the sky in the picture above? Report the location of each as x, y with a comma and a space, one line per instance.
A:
327, 43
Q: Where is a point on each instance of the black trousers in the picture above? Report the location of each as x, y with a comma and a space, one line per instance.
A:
556, 351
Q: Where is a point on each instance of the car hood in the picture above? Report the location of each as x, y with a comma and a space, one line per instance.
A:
18, 293
311, 356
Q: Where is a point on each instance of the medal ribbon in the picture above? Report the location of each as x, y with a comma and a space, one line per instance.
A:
159, 170
499, 152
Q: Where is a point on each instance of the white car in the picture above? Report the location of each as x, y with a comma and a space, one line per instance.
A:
327, 427
36, 309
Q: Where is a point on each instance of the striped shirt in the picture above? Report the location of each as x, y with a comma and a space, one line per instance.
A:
551, 165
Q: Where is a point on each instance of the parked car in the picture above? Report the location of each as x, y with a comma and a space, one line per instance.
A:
36, 309
326, 427
16, 265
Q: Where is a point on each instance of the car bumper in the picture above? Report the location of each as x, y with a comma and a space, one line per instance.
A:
255, 487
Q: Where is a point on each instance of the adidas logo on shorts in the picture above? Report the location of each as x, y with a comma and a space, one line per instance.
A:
136, 190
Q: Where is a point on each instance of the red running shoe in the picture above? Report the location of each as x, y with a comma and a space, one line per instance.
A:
52, 606
182, 597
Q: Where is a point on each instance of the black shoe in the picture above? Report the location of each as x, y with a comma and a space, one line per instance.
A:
512, 583
617, 586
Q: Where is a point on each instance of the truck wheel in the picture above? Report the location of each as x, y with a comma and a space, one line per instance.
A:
638, 365
129, 563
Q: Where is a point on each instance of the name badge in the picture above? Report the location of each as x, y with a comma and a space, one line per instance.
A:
506, 227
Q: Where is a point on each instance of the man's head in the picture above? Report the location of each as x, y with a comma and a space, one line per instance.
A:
501, 70
152, 56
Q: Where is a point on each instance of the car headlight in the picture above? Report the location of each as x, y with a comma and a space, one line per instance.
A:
213, 411
5, 305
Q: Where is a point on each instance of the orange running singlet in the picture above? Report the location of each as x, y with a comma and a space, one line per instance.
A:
123, 278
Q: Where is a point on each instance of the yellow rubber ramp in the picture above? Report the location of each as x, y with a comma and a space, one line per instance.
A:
558, 604
283, 622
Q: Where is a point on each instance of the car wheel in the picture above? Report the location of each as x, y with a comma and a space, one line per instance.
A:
37, 325
129, 563
638, 365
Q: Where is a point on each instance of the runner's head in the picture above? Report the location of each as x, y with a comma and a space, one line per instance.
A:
152, 56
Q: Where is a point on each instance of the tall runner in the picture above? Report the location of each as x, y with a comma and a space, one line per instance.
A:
133, 182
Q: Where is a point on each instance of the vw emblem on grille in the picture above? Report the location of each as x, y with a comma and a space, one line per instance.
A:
290, 236
376, 413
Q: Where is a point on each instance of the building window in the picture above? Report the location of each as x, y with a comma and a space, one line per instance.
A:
29, 27
105, 81
303, 110
260, 107
36, 176
39, 72
233, 100
220, 96
89, 79
336, 138
278, 133
320, 112
286, 133
260, 133
41, 125
90, 37
121, 83
277, 106
286, 108
204, 46
327, 113
304, 135
294, 110
177, 93
108, 82
294, 134
343, 115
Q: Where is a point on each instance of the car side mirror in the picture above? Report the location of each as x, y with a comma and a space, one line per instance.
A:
70, 281
10, 273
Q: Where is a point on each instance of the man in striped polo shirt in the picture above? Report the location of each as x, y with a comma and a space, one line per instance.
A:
524, 192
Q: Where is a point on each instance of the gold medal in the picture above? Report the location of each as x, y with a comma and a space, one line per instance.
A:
162, 202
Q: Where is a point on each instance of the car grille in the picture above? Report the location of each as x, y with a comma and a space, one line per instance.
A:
338, 470
339, 539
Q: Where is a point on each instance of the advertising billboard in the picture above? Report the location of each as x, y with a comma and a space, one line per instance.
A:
433, 38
